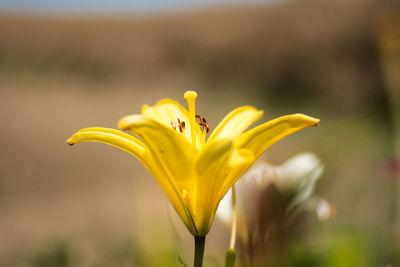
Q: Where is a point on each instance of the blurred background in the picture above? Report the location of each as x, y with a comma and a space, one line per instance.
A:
69, 65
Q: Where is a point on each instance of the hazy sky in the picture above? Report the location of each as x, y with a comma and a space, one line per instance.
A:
110, 5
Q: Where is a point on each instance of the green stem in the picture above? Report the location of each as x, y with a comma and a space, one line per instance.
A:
234, 220
231, 253
230, 258
199, 242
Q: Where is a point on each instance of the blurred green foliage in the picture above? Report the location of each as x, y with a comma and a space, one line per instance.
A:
56, 254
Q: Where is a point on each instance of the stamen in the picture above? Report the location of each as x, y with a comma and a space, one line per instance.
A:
205, 125
173, 125
203, 122
181, 125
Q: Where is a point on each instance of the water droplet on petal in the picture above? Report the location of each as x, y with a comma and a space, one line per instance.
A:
184, 192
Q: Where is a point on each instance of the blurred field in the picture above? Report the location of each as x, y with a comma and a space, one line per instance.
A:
92, 205
312, 47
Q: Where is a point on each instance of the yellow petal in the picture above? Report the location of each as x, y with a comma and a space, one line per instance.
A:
174, 194
239, 162
236, 122
172, 154
171, 148
262, 137
137, 148
165, 111
112, 137
212, 168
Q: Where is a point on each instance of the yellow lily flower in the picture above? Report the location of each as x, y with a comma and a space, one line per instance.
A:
194, 172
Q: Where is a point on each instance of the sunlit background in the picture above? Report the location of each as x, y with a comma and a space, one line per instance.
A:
66, 65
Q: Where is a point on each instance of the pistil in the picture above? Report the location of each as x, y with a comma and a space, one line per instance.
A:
190, 97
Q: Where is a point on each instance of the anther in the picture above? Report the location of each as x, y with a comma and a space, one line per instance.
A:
181, 125
203, 122
173, 125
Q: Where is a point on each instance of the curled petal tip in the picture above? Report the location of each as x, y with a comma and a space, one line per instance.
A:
312, 120
70, 142
315, 121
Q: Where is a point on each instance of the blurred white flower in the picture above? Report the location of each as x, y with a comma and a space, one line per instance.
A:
266, 192
298, 176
